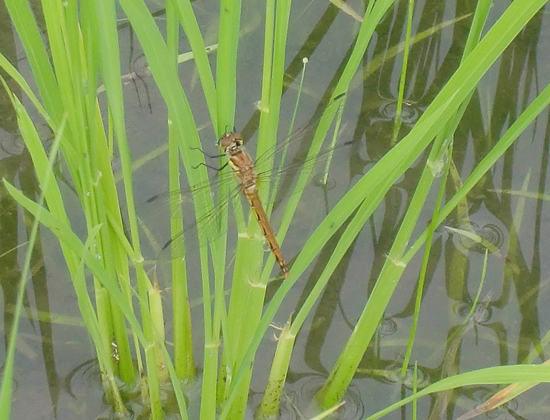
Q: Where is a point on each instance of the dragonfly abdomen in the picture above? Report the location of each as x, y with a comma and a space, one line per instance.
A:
261, 217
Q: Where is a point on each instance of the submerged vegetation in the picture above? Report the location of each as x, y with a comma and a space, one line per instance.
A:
74, 84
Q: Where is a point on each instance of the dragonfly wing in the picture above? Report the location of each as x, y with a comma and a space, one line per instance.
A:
157, 215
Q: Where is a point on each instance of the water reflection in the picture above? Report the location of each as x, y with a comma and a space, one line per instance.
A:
480, 315
353, 409
388, 326
489, 234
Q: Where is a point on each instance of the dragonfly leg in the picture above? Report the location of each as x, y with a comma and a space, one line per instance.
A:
211, 166
206, 154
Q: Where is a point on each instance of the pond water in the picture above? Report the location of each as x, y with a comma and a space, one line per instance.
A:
56, 372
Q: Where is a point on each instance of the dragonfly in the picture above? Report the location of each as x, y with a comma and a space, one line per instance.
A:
244, 170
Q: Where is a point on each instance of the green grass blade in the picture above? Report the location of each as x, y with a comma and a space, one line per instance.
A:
25, 25
226, 65
196, 41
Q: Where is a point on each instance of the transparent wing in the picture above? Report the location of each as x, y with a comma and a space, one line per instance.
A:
207, 226
289, 157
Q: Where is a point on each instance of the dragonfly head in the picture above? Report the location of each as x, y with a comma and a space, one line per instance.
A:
231, 140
